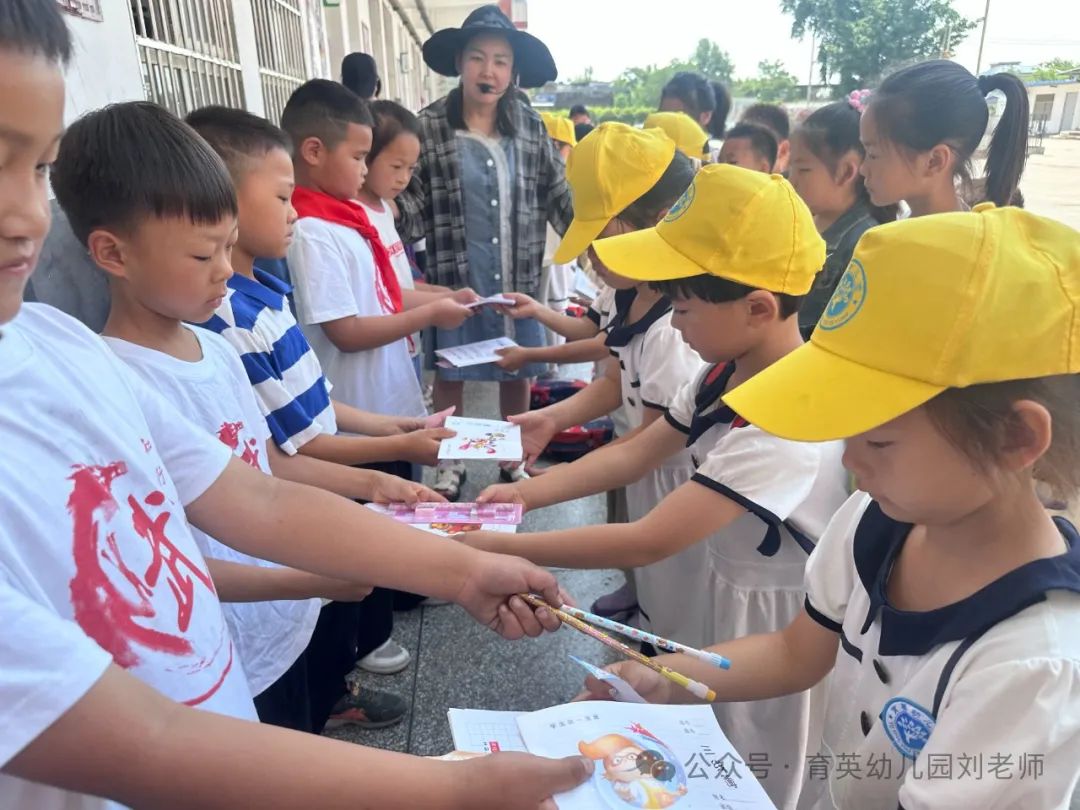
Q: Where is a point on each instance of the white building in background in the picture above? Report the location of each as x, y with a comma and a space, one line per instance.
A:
185, 54
1055, 104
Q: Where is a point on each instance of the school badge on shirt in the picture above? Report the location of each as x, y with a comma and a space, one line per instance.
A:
907, 725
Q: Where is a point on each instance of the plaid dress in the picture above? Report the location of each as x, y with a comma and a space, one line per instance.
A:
432, 207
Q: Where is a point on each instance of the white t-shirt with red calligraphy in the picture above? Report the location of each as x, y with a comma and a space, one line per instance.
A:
215, 394
97, 561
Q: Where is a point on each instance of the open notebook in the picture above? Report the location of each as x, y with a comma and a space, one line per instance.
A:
646, 755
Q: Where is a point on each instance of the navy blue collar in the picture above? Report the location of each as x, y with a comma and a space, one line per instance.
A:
619, 333
268, 289
878, 541
713, 386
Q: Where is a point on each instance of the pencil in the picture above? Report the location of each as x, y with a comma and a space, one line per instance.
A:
649, 638
695, 688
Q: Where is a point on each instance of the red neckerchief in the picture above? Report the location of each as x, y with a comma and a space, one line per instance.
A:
311, 203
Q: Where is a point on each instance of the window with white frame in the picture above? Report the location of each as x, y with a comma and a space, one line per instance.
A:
188, 53
279, 37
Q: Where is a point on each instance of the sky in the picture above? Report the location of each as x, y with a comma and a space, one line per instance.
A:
610, 35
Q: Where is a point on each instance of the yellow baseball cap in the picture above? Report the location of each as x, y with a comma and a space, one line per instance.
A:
927, 304
689, 137
610, 168
733, 223
559, 128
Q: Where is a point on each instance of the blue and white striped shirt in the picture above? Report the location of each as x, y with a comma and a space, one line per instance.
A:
289, 384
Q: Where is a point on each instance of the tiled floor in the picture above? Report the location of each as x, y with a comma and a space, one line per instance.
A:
459, 664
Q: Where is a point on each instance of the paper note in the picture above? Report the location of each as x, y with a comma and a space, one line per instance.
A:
485, 732
621, 690
482, 439
492, 300
646, 756
507, 514
473, 354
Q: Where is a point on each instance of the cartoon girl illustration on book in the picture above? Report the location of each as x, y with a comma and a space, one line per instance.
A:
639, 772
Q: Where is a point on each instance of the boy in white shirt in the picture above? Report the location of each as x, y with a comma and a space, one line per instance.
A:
348, 297
153, 292
725, 551
113, 630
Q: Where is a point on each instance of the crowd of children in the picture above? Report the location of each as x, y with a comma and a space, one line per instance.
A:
839, 364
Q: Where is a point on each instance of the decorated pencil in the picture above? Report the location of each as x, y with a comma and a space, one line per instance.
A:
695, 688
649, 638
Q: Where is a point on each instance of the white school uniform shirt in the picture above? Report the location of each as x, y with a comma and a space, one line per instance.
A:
976, 704
215, 394
748, 577
97, 561
334, 276
384, 223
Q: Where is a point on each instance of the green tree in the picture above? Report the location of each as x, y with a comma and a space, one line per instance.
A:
773, 84
1053, 69
641, 86
860, 40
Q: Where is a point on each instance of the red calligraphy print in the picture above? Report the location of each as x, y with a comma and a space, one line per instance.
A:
137, 600
229, 434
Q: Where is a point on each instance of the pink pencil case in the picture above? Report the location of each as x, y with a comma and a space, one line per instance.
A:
500, 514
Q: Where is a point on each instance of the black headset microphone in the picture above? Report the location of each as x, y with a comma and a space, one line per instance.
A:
489, 89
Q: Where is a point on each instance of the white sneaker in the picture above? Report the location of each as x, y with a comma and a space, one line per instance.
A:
448, 479
387, 659
513, 472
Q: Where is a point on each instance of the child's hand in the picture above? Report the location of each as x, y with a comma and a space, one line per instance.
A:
466, 295
537, 431
422, 446
525, 306
340, 590
446, 313
502, 493
397, 425
652, 686
391, 489
489, 594
513, 358
514, 781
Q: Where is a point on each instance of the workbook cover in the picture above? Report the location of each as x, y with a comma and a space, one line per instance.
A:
646, 755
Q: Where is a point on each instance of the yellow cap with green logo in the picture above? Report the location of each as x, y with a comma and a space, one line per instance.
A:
559, 128
739, 225
689, 137
610, 168
931, 303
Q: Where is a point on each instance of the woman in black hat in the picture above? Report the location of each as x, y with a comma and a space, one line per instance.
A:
487, 183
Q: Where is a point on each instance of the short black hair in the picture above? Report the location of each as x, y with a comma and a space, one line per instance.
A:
35, 27
361, 75
125, 162
762, 141
771, 116
578, 109
238, 136
391, 119
693, 90
323, 109
718, 290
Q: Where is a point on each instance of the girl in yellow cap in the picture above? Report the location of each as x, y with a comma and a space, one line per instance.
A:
943, 598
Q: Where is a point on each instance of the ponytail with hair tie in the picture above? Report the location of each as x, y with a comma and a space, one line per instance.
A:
858, 99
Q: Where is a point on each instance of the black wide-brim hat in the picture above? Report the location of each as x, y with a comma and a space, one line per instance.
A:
533, 62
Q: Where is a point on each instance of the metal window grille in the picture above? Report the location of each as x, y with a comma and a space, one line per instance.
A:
87, 9
279, 38
188, 53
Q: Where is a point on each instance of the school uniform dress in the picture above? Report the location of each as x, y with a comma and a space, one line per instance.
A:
976, 704
602, 312
748, 577
654, 364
